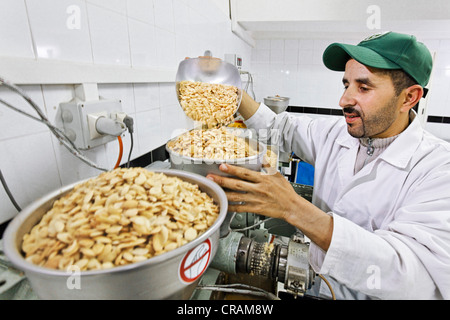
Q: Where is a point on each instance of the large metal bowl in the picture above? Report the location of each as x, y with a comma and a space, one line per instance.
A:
160, 277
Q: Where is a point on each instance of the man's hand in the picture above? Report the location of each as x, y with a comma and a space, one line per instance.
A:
272, 195
251, 191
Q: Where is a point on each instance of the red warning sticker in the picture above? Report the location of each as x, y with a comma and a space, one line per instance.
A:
195, 262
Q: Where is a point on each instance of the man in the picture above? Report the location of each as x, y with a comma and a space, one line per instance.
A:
379, 221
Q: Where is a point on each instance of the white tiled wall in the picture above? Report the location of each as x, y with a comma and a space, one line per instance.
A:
141, 33
439, 101
294, 68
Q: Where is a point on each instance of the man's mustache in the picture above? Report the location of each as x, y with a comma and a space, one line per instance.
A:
350, 110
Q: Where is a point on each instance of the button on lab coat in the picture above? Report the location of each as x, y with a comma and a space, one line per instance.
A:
391, 220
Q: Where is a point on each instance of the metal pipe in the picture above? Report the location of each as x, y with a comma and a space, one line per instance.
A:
227, 253
239, 254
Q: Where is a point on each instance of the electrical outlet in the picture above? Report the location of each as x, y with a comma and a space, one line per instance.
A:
92, 120
79, 120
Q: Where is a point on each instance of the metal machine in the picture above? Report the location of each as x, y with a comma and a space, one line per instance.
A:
267, 255
288, 264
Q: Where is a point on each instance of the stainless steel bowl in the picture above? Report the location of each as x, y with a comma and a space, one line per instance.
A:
206, 166
211, 70
160, 277
277, 104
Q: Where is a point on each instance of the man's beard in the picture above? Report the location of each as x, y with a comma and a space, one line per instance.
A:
373, 125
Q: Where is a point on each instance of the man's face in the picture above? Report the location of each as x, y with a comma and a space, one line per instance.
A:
369, 102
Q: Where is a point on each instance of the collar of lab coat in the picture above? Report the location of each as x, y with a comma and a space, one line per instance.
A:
401, 149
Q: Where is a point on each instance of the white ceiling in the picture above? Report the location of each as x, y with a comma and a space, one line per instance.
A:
341, 18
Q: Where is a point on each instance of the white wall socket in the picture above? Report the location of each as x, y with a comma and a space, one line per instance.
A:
79, 119
92, 120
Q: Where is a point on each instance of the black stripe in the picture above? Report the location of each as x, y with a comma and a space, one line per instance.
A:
315, 110
338, 112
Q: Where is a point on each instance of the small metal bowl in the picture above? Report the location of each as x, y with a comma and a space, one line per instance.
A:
277, 104
209, 70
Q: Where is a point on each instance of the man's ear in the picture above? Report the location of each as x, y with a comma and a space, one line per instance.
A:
412, 96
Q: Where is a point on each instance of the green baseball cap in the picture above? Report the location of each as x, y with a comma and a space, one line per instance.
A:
389, 50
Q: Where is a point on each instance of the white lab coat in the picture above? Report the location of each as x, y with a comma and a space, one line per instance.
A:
391, 233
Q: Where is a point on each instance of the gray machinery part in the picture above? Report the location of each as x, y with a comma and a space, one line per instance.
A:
285, 263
